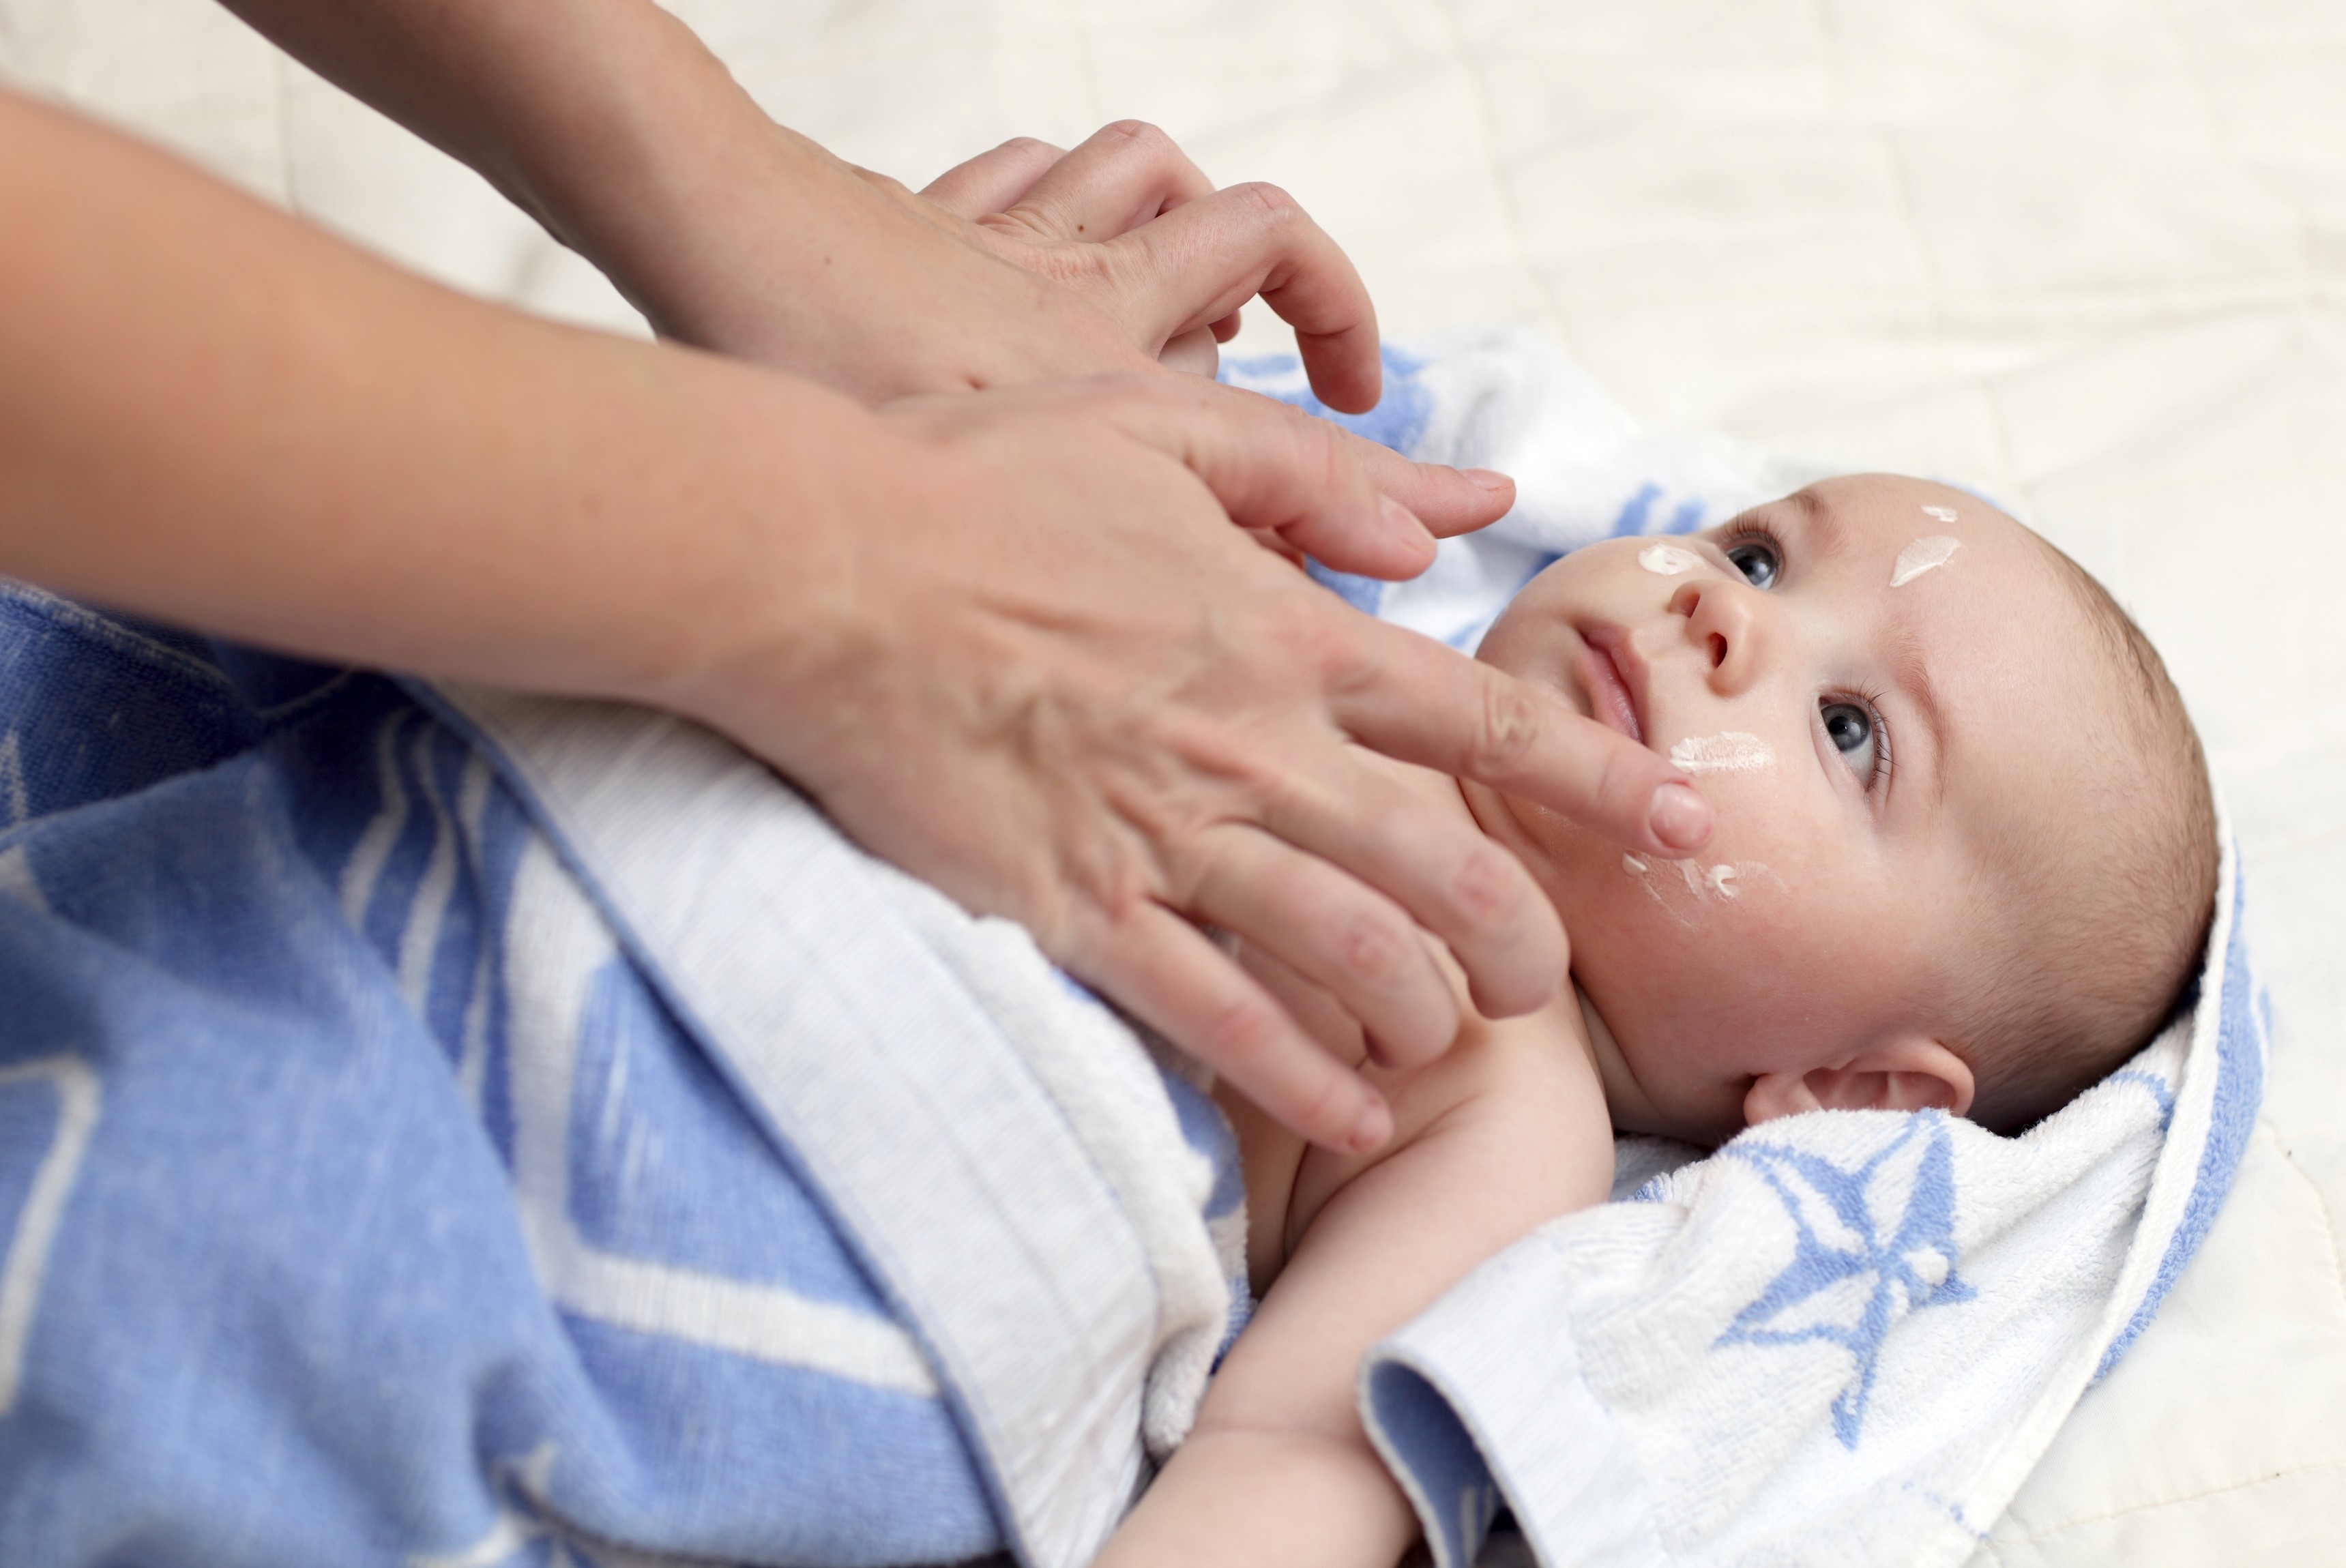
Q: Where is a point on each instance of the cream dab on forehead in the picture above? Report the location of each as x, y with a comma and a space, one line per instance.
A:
1729, 751
1923, 556
1668, 560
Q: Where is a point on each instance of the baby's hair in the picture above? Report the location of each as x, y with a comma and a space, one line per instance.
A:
2108, 959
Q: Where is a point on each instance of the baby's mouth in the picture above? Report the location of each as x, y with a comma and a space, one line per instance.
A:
1610, 697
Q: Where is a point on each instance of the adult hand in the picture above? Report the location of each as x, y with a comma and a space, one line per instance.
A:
612, 124
1012, 640
1076, 695
1103, 221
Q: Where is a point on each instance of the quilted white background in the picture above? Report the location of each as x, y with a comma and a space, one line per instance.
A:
2088, 256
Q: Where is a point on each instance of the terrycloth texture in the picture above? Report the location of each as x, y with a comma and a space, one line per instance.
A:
1847, 1336
367, 1196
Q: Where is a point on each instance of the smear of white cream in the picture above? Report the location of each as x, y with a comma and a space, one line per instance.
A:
1730, 751
1668, 560
1940, 514
1633, 865
1922, 556
1722, 880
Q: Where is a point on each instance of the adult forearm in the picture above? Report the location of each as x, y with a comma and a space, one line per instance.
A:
612, 124
635, 147
213, 414
606, 119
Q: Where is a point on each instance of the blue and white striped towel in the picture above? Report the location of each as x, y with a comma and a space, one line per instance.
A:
370, 1192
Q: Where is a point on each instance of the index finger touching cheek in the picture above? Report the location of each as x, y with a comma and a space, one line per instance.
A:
1423, 703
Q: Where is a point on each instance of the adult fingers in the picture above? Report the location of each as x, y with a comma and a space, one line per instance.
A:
1347, 938
1274, 468
1448, 501
994, 181
1352, 505
1452, 879
1416, 700
1193, 353
1166, 972
1120, 176
1206, 258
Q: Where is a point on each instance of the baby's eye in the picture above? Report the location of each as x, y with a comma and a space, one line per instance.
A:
1851, 729
1756, 558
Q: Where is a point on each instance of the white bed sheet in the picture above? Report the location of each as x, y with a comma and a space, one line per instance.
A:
2087, 257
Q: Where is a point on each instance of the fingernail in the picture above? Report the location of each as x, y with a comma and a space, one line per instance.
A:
1373, 1127
1489, 479
1679, 815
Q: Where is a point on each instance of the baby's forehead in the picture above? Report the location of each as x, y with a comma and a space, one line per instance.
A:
1916, 551
1890, 507
1997, 627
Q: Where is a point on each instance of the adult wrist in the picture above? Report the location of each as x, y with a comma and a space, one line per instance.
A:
791, 620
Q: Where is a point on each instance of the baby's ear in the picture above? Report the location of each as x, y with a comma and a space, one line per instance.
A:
1913, 1073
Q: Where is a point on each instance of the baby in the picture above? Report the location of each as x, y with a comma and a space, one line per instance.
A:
1965, 858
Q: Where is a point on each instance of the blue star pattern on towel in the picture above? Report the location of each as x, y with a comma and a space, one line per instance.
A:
1873, 1245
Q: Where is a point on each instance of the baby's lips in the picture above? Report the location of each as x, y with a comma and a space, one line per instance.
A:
1679, 817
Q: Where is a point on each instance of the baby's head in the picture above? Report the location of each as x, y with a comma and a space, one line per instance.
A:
1966, 852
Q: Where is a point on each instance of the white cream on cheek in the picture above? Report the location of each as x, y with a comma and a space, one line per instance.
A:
1668, 560
1725, 882
1940, 514
1922, 556
1729, 751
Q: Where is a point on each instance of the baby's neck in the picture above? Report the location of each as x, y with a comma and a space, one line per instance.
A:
1624, 1099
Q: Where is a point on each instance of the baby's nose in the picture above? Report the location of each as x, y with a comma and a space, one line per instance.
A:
1719, 620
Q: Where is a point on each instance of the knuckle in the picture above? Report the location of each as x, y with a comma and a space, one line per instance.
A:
1375, 951
1241, 1032
1027, 146
1141, 134
1506, 731
1334, 645
1272, 202
1484, 885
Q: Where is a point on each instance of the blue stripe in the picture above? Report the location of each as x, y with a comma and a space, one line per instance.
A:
2239, 1090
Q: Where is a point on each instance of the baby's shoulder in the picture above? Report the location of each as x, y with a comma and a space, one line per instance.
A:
1508, 1094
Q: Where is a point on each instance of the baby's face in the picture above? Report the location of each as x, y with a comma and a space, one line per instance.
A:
1868, 679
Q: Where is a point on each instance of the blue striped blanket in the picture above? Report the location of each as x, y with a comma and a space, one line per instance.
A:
370, 1192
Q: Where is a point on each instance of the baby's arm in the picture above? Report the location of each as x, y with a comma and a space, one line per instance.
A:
1507, 1129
